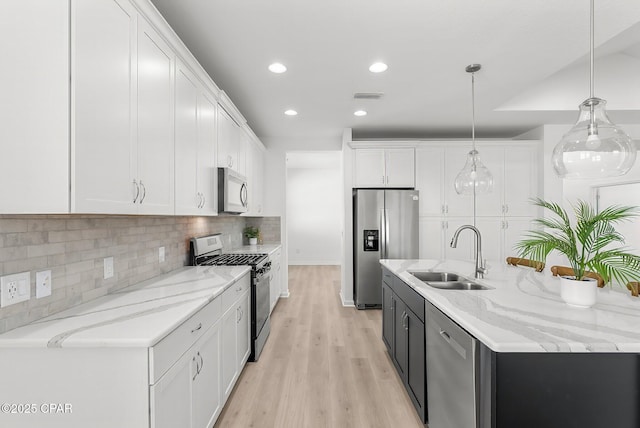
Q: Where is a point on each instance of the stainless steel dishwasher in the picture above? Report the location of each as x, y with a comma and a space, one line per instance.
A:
451, 372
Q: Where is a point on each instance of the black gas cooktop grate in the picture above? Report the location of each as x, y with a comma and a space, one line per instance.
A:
233, 260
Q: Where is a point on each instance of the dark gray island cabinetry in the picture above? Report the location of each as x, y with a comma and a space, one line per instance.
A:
404, 335
513, 355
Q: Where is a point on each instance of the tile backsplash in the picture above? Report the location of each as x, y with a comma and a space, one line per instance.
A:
74, 247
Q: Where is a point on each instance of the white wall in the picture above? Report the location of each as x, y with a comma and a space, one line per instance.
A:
314, 210
276, 183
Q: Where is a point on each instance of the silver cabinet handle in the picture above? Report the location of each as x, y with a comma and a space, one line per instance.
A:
446, 209
135, 198
204, 200
201, 362
195, 375
199, 198
144, 192
506, 224
506, 208
197, 328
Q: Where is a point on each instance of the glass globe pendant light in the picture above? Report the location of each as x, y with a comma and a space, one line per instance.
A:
594, 147
474, 178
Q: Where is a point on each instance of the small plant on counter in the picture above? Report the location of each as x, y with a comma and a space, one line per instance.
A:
584, 245
252, 233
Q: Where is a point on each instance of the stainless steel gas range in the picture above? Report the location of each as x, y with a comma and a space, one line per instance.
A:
207, 251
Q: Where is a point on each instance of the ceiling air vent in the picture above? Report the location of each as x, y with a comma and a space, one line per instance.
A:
367, 95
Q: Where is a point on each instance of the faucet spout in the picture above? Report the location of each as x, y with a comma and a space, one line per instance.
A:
481, 269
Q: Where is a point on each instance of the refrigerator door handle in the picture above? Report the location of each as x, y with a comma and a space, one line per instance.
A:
383, 234
386, 233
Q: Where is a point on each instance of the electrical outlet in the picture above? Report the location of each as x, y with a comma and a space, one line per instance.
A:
108, 267
15, 288
43, 284
161, 254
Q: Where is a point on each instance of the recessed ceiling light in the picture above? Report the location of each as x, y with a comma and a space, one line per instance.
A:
360, 113
378, 67
291, 112
278, 68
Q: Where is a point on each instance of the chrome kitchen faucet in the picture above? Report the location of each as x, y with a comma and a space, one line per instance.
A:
481, 269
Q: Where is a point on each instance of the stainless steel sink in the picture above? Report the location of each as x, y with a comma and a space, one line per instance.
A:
458, 285
435, 276
447, 281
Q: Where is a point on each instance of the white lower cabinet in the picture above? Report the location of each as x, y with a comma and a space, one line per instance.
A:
177, 382
276, 277
236, 336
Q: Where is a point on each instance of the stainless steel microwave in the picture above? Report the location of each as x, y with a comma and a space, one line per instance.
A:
233, 196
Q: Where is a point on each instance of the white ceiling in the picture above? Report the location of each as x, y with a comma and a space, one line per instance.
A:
533, 53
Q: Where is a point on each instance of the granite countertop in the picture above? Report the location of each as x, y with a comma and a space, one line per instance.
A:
523, 312
136, 316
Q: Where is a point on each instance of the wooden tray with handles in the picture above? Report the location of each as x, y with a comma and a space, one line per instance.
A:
567, 271
516, 261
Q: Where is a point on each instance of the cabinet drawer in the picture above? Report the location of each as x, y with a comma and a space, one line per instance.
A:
387, 277
410, 297
166, 352
233, 293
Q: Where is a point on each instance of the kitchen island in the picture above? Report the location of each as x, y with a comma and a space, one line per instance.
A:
540, 362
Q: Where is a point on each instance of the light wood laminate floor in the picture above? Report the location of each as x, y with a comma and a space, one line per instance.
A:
324, 365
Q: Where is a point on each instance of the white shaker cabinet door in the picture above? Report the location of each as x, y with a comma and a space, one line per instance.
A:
228, 135
429, 180
206, 392
521, 180
103, 118
207, 177
490, 204
34, 165
400, 168
229, 358
171, 396
369, 168
244, 329
187, 198
456, 205
432, 238
155, 154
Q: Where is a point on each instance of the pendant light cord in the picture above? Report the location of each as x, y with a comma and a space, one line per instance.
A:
592, 45
473, 110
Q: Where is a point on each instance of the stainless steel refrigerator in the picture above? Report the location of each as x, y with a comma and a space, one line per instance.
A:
385, 226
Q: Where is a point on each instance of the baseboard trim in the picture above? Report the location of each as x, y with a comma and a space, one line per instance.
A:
346, 303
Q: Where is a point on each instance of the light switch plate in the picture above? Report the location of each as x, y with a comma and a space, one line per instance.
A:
108, 267
15, 288
44, 284
161, 254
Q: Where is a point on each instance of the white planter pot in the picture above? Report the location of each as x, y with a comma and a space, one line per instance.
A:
253, 241
581, 294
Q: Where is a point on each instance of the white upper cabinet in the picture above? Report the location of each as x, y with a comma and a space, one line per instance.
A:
514, 170
207, 135
255, 177
34, 165
188, 198
228, 140
430, 183
195, 139
393, 168
155, 139
122, 142
103, 115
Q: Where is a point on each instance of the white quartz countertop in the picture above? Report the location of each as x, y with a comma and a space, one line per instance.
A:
523, 312
257, 249
136, 316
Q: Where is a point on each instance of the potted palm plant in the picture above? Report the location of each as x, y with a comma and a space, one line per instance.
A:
587, 246
252, 233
